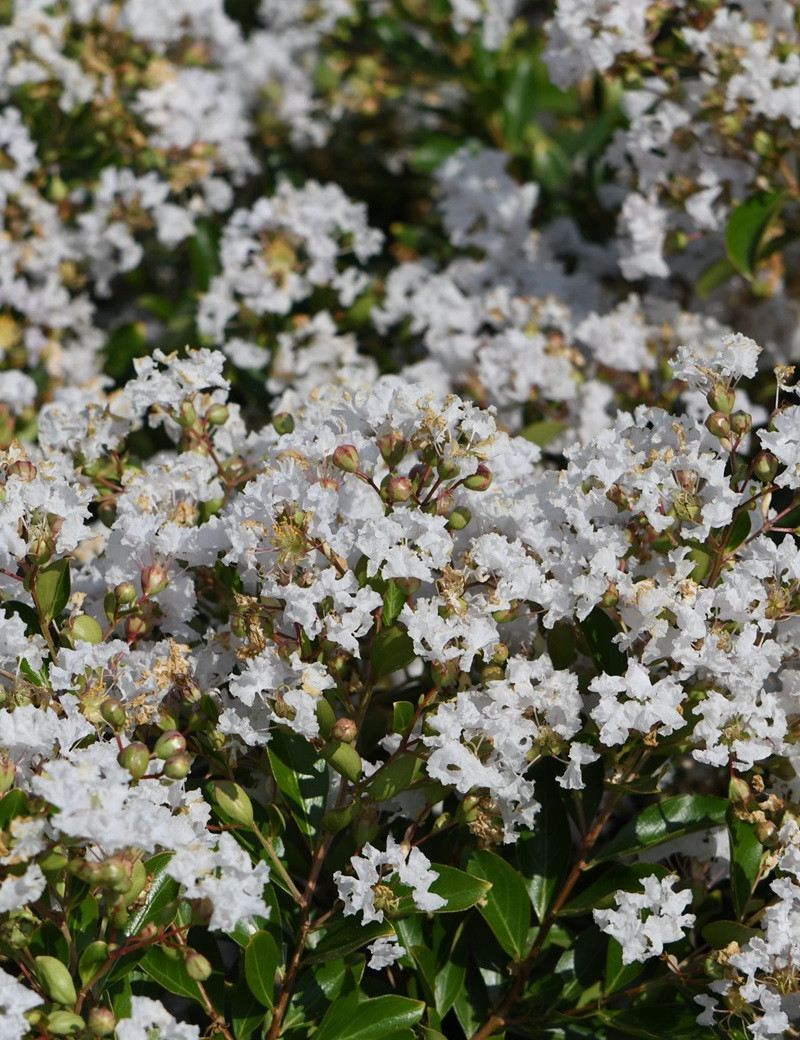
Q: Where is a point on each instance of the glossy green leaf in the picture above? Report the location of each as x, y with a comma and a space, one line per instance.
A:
746, 228
507, 907
600, 630
370, 1020
302, 778
261, 959
746, 855
170, 974
461, 890
719, 934
713, 276
246, 1012
619, 975
391, 650
600, 894
402, 716
672, 818
53, 585
346, 937
161, 891
449, 979
318, 987
92, 960
393, 602
13, 803
543, 853
394, 778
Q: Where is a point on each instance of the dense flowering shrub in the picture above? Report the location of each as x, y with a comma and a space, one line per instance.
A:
399, 572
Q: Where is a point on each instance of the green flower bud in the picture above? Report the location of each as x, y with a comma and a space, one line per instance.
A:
135, 628
718, 424
325, 717
741, 423
186, 415
396, 489
125, 593
346, 458
101, 1022
283, 423
459, 518
444, 673
480, 480
170, 743
64, 1023
217, 415
336, 820
135, 758
82, 628
344, 730
138, 882
55, 980
154, 580
234, 801
177, 767
448, 470
765, 467
113, 712
198, 967
344, 758
722, 398
23, 470
7, 773
393, 448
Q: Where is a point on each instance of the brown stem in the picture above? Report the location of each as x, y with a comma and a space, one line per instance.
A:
498, 1018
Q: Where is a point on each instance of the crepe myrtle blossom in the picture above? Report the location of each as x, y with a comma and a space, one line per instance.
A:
644, 922
15, 1000
367, 888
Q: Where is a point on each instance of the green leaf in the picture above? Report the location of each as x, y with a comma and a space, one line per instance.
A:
302, 778
600, 631
203, 254
317, 989
346, 937
600, 894
506, 908
402, 716
246, 1013
715, 275
92, 960
391, 650
393, 778
672, 818
719, 934
393, 602
449, 979
459, 889
13, 803
543, 853
582, 965
543, 432
52, 585
746, 856
261, 960
169, 973
739, 531
162, 890
746, 228
619, 975
370, 1020
126, 342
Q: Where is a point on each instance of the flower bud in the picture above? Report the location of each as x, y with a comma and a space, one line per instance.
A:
170, 743
137, 883
186, 414
344, 758
23, 470
344, 730
741, 423
233, 801
154, 580
135, 628
442, 505
55, 980
177, 767
217, 415
408, 586
767, 834
448, 470
117, 874
765, 467
64, 1023
125, 593
459, 518
135, 758
393, 448
325, 717
101, 1021
148, 932
396, 489
722, 398
7, 773
480, 480
346, 458
283, 423
82, 628
336, 820
444, 673
198, 967
420, 475
738, 790
718, 424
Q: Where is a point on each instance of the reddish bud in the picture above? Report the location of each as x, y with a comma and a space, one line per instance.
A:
154, 580
480, 480
346, 458
135, 758
198, 967
741, 423
23, 469
177, 767
718, 424
344, 730
101, 1021
283, 423
113, 712
170, 743
722, 398
393, 448
396, 489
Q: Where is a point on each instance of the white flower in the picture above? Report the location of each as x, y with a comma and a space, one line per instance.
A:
15, 1000
149, 1017
644, 922
408, 864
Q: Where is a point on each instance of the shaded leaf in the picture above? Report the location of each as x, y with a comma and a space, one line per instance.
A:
370, 1020
169, 973
391, 650
543, 853
600, 894
600, 630
53, 585
672, 818
746, 228
261, 960
302, 778
746, 856
506, 908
